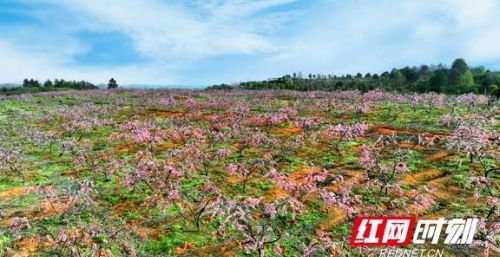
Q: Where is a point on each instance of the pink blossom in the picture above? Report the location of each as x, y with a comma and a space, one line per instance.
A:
295, 205
277, 250
169, 102
270, 209
173, 194
222, 153
232, 168
328, 197
401, 167
19, 224
190, 104
365, 157
251, 202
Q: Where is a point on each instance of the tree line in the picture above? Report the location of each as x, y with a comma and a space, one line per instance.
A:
34, 86
457, 79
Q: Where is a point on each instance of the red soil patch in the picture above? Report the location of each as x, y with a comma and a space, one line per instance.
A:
184, 248
28, 246
211, 117
123, 147
163, 113
14, 192
166, 146
122, 206
446, 191
75, 171
352, 178
384, 130
286, 131
147, 233
412, 146
123, 150
221, 250
273, 194
48, 209
436, 215
335, 216
355, 148
302, 172
414, 179
437, 156
232, 179
389, 131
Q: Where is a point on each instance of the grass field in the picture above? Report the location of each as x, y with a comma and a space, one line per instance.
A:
239, 173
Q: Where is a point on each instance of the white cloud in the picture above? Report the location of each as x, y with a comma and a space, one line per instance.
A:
370, 36
162, 30
18, 64
256, 38
172, 36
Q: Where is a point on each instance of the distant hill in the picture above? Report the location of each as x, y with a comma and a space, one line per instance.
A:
9, 85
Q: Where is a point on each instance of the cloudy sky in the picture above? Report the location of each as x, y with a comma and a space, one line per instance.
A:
201, 42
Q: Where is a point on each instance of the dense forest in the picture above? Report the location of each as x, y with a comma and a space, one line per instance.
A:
457, 79
34, 86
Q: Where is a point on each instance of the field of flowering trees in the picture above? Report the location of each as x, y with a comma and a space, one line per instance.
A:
239, 173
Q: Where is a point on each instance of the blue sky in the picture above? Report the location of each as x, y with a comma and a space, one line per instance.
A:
202, 42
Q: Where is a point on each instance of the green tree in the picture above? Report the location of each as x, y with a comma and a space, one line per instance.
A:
492, 88
31, 83
461, 79
112, 84
460, 65
48, 84
466, 82
439, 81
